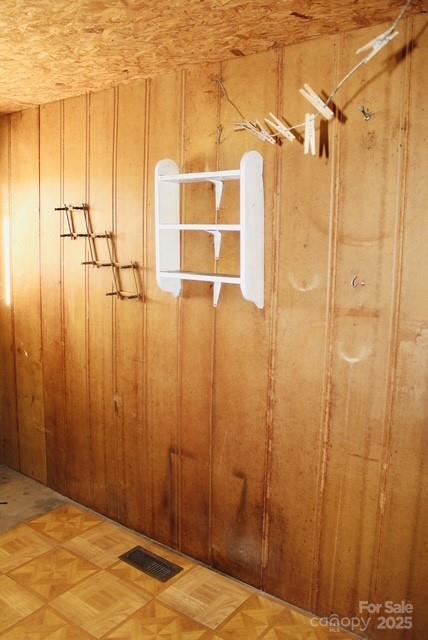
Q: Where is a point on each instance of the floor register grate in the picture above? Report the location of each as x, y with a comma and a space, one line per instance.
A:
151, 564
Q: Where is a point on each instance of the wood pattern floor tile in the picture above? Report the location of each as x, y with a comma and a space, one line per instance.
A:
100, 603
205, 596
252, 620
65, 523
45, 624
16, 602
103, 544
331, 634
21, 545
284, 632
296, 625
126, 572
53, 573
157, 621
176, 558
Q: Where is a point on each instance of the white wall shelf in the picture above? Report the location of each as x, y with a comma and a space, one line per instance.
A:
251, 227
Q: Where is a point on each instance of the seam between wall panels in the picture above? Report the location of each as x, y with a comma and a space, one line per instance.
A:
214, 340
213, 345
413, 556
144, 207
273, 329
395, 306
87, 291
112, 406
64, 479
324, 435
148, 431
41, 358
12, 306
179, 381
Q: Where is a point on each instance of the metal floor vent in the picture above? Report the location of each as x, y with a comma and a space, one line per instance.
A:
151, 564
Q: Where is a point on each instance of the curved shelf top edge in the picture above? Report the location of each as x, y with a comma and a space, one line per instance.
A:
251, 161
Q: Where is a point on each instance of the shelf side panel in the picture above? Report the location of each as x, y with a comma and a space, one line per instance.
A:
252, 228
167, 211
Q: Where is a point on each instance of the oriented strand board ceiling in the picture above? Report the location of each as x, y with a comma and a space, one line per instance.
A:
51, 49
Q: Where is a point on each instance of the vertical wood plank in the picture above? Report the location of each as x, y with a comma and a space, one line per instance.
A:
51, 247
105, 453
162, 322
201, 102
9, 445
242, 338
26, 291
402, 557
129, 332
369, 162
306, 212
78, 440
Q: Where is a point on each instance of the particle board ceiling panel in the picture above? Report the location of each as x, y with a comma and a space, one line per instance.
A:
51, 49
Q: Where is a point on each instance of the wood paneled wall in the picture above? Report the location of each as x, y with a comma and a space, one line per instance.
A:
285, 446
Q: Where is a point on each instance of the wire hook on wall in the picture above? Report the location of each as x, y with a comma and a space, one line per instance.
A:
356, 283
367, 114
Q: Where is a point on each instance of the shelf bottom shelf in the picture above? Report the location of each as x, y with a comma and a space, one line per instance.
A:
201, 277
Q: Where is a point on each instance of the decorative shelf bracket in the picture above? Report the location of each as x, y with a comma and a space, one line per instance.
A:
216, 292
217, 243
218, 184
251, 227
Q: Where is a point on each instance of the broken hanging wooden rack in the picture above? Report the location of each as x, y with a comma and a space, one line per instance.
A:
112, 263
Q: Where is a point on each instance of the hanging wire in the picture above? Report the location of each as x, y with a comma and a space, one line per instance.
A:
226, 95
359, 64
384, 36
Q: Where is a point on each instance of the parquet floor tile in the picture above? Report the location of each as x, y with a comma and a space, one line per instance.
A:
323, 633
65, 523
296, 625
253, 618
16, 602
176, 558
53, 573
45, 624
21, 545
103, 544
330, 634
205, 596
157, 621
100, 603
284, 632
126, 572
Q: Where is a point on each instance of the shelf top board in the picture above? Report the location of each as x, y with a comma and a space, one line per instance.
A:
206, 176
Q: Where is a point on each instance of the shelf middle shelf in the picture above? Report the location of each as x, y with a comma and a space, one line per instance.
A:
221, 278
199, 227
